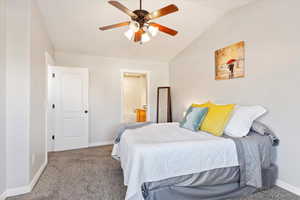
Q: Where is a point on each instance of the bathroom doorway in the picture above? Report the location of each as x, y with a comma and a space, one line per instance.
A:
135, 104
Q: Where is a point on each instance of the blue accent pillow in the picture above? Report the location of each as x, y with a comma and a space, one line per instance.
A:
193, 118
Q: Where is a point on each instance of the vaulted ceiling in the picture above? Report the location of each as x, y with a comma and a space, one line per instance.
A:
73, 26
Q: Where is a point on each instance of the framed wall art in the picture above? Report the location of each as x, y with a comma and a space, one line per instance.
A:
230, 62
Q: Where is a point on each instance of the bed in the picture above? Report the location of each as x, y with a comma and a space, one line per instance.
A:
164, 161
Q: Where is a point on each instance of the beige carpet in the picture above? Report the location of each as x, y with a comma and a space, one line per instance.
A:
91, 174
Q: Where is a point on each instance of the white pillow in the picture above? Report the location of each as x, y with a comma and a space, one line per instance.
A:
242, 119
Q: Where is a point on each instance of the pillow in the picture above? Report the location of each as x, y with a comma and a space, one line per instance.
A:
263, 129
242, 119
260, 128
193, 118
216, 118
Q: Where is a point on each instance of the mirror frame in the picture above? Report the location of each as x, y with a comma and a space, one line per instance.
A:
169, 106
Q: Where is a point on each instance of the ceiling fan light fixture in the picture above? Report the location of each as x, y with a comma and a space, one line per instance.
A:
134, 26
141, 25
153, 30
145, 37
129, 34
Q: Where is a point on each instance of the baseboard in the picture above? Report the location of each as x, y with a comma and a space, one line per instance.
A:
27, 188
99, 144
3, 196
288, 187
18, 191
38, 175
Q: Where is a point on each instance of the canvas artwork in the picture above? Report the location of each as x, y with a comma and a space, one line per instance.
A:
230, 62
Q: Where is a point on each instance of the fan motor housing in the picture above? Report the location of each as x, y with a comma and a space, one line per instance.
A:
141, 19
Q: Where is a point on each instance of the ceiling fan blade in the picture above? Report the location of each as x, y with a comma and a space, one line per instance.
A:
164, 29
162, 12
123, 8
138, 36
114, 26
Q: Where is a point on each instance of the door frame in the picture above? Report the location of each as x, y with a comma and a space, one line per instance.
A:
49, 61
50, 114
122, 71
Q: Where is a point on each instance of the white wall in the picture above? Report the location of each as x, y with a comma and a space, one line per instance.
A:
18, 92
26, 90
40, 44
105, 89
271, 30
2, 98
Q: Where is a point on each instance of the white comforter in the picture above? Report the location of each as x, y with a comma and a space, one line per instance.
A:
160, 151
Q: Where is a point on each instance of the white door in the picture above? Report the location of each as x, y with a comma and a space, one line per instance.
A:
69, 104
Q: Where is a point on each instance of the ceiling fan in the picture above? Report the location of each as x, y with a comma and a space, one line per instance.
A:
141, 26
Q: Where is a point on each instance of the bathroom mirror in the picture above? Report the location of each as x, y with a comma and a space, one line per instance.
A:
164, 110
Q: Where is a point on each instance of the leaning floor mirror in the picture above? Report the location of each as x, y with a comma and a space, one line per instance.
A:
164, 110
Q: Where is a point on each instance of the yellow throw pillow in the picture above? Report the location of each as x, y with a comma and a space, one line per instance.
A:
216, 118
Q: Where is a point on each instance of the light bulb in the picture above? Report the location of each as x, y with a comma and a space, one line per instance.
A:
153, 30
134, 26
145, 37
129, 34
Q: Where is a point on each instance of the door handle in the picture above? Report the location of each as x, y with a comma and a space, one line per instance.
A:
86, 111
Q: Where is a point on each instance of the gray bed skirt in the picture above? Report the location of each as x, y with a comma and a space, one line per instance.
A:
218, 192
211, 185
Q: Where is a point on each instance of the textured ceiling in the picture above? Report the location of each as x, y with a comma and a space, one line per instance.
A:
73, 26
